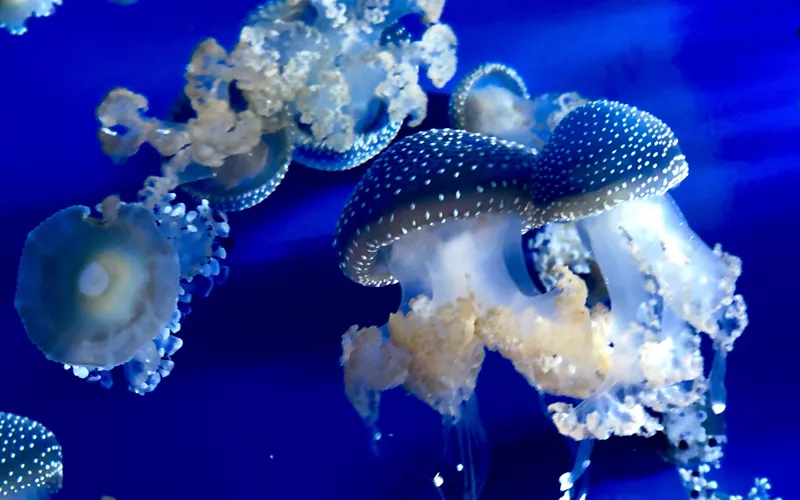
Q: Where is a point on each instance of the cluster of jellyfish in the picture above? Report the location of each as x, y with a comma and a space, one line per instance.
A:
323, 83
608, 333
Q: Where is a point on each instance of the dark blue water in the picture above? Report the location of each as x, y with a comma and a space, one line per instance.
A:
255, 407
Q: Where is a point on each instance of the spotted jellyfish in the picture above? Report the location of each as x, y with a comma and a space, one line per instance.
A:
493, 99
436, 212
30, 459
608, 169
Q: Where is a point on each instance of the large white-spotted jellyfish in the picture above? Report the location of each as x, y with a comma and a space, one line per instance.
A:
30, 459
607, 168
14, 13
695, 438
494, 100
117, 296
339, 76
435, 212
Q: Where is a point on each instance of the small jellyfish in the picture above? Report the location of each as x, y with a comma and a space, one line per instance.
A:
494, 100
30, 459
435, 212
243, 180
92, 292
199, 238
14, 13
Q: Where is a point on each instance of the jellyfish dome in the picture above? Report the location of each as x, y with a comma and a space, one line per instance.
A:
91, 292
493, 99
14, 13
30, 459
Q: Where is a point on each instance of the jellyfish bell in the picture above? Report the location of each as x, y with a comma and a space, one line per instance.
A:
91, 292
246, 179
30, 459
494, 100
436, 212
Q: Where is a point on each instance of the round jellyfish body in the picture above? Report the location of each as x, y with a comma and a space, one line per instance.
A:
494, 100
373, 128
448, 229
198, 239
14, 13
92, 292
30, 459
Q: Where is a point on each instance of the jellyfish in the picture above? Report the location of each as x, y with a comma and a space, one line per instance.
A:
30, 459
338, 77
91, 292
14, 13
694, 444
243, 180
122, 295
605, 174
494, 100
435, 212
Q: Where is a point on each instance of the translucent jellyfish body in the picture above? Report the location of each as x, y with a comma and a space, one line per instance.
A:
119, 297
30, 459
494, 100
198, 237
14, 13
91, 292
437, 222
